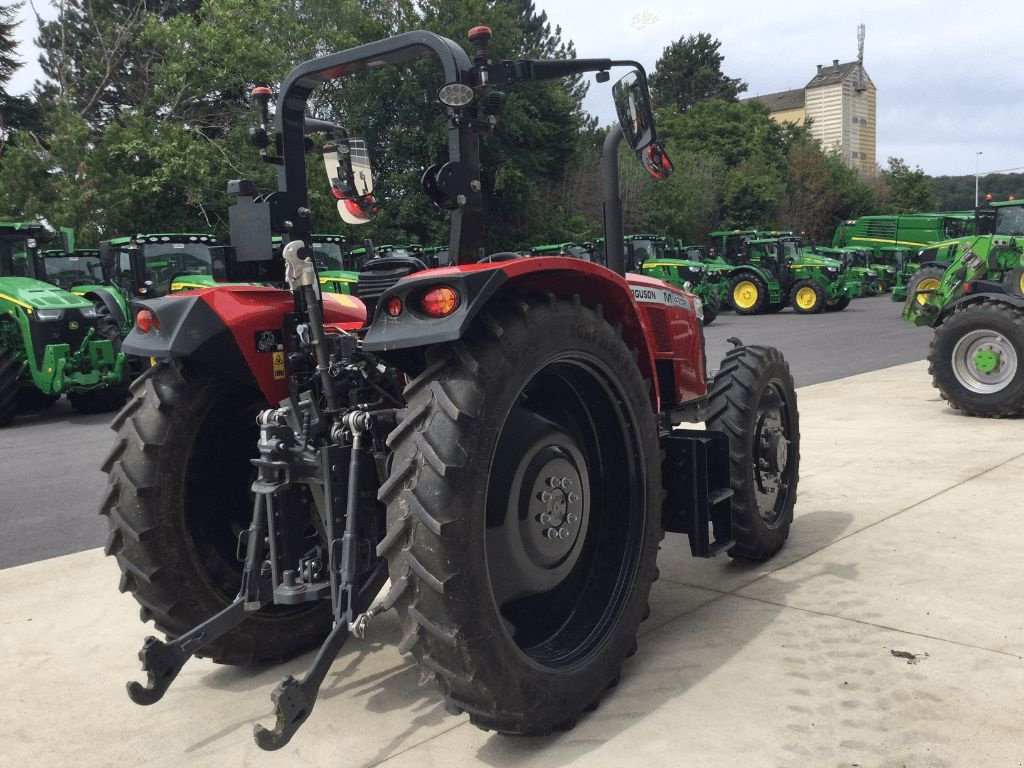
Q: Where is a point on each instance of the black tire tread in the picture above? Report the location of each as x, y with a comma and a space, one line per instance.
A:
819, 293
144, 534
940, 369
8, 387
421, 518
758, 306
732, 399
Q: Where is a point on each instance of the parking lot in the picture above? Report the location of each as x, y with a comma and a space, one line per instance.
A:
888, 631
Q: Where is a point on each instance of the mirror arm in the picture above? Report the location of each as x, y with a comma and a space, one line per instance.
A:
613, 226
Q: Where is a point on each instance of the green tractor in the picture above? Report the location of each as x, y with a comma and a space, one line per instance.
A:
857, 268
51, 342
671, 265
771, 273
909, 234
976, 358
147, 266
337, 269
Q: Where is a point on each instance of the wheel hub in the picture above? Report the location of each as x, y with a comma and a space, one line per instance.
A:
536, 540
745, 294
984, 361
558, 501
771, 458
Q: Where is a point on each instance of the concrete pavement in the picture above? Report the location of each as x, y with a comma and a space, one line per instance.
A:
888, 632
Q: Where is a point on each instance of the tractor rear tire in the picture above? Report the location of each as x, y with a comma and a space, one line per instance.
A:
1013, 280
711, 309
748, 294
8, 387
926, 278
976, 360
838, 305
808, 298
524, 514
753, 401
178, 496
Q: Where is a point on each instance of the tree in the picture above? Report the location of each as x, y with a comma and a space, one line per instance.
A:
911, 191
15, 111
689, 71
822, 191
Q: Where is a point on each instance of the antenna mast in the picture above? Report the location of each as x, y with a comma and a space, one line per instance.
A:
860, 58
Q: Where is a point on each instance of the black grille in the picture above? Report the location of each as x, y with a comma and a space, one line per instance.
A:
47, 332
378, 275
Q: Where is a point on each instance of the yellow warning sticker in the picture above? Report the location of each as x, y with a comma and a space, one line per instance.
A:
278, 360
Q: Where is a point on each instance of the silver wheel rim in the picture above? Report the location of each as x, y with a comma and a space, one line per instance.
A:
984, 342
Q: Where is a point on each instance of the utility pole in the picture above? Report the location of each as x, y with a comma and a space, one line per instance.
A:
977, 165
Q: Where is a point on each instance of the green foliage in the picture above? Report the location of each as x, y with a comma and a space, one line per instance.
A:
9, 63
146, 113
690, 71
956, 193
910, 190
822, 191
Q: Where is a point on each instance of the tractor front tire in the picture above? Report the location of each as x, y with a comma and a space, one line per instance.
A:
748, 294
1013, 280
8, 387
838, 305
178, 496
808, 298
925, 279
753, 401
524, 514
976, 360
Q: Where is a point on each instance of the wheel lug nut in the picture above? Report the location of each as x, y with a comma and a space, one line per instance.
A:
554, 482
570, 519
545, 496
573, 498
551, 533
563, 533
566, 482
545, 519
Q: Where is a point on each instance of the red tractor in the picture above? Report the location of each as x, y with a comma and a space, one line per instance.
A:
496, 439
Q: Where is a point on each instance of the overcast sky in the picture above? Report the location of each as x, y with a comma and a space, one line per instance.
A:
949, 78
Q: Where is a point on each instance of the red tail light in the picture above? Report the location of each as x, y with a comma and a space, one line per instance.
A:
146, 321
440, 302
394, 306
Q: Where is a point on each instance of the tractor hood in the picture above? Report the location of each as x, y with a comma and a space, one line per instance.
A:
34, 294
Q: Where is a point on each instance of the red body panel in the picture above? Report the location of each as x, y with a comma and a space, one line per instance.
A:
657, 320
248, 310
671, 318
665, 328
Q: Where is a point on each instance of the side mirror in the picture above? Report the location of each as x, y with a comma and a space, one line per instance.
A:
107, 260
655, 160
633, 105
347, 163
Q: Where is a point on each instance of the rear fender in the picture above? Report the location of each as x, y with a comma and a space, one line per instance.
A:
234, 330
117, 311
480, 284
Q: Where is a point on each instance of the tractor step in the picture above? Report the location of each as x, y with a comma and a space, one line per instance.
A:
699, 502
